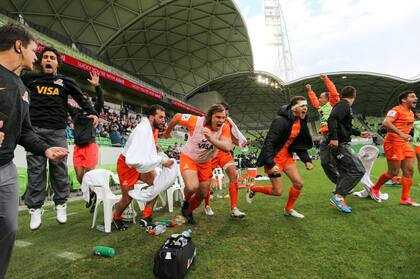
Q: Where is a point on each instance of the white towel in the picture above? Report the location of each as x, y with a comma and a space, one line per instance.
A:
164, 180
238, 135
140, 149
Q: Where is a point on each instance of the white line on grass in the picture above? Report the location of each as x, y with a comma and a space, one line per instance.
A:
22, 244
70, 256
69, 214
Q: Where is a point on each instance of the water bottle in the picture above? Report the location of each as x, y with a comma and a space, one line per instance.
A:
187, 232
104, 251
159, 229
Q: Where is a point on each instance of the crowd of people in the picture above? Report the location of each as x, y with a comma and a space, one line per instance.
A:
41, 127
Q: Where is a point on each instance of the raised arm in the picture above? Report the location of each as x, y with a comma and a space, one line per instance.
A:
171, 125
312, 96
334, 97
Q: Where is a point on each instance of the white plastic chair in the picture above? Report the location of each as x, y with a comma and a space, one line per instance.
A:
98, 181
218, 177
178, 186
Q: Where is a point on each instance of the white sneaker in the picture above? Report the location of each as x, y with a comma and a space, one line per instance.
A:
293, 213
61, 213
249, 195
36, 220
236, 213
208, 211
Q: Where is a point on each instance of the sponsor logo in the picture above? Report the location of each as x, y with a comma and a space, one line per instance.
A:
25, 97
204, 144
59, 82
391, 113
48, 90
186, 117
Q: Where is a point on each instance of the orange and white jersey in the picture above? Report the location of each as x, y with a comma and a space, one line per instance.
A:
198, 147
403, 121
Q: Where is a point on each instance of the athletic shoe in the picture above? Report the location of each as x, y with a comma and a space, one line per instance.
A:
185, 208
186, 212
375, 194
119, 225
236, 213
147, 223
293, 213
36, 221
61, 213
409, 202
340, 203
208, 211
250, 195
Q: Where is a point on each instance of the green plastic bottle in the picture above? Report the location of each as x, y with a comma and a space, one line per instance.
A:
104, 251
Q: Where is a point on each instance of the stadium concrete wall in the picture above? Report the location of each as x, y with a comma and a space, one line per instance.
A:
203, 101
107, 155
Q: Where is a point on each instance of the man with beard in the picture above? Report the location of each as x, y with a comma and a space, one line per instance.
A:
49, 93
399, 153
225, 161
208, 134
129, 175
288, 134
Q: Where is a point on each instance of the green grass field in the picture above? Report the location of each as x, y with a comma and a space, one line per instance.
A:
375, 241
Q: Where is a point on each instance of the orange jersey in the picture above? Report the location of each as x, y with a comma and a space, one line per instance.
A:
198, 148
403, 121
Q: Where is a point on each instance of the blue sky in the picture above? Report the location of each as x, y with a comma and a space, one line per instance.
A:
342, 35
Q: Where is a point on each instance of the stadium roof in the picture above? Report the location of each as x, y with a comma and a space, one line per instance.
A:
376, 93
253, 97
254, 101
179, 44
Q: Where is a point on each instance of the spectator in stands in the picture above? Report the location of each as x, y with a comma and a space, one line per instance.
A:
17, 53
49, 93
115, 136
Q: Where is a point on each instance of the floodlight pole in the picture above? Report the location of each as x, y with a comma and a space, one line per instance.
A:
278, 38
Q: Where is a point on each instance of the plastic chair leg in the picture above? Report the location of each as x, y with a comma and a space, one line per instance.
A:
170, 194
108, 215
95, 213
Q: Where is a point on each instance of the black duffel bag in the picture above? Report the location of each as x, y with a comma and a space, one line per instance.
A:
174, 258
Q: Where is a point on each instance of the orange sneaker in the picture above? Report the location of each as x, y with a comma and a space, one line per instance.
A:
409, 202
375, 194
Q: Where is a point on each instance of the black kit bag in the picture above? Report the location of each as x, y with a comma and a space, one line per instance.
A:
174, 258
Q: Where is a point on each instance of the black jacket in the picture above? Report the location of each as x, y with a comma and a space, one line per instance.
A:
340, 123
279, 133
49, 95
84, 132
14, 112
